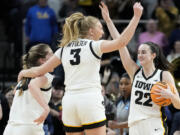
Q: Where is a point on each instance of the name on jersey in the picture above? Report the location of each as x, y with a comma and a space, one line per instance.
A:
77, 43
143, 85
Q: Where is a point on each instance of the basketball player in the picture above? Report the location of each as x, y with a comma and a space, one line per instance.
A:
145, 118
80, 54
30, 104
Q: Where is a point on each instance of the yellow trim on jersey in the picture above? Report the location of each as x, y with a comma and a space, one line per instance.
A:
162, 121
93, 122
72, 126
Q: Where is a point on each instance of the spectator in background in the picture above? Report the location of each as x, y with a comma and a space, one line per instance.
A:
56, 108
152, 34
10, 95
149, 6
110, 108
122, 105
56, 6
41, 24
175, 53
112, 88
177, 4
4, 112
124, 10
113, 6
166, 14
69, 7
91, 7
175, 35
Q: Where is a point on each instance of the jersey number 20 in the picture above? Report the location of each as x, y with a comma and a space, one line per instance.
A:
75, 53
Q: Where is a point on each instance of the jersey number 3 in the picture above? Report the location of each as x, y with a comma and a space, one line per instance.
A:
75, 53
141, 95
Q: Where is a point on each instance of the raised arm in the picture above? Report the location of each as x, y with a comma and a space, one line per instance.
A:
127, 34
41, 70
125, 37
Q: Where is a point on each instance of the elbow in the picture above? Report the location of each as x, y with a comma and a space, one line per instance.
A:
177, 106
123, 42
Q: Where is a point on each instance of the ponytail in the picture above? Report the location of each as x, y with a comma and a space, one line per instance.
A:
71, 28
77, 26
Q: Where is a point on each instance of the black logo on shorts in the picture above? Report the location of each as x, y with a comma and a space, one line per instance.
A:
156, 129
103, 103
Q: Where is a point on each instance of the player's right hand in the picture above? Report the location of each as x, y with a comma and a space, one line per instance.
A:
42, 118
138, 9
20, 75
112, 124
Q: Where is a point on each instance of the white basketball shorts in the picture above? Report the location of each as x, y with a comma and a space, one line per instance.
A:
83, 109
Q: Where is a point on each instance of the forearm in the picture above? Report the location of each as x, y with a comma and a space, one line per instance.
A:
54, 112
175, 101
128, 63
32, 72
112, 29
36, 93
129, 31
122, 125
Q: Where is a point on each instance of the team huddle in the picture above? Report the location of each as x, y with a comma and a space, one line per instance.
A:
80, 53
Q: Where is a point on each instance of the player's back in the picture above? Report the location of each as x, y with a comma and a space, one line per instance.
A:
25, 109
81, 62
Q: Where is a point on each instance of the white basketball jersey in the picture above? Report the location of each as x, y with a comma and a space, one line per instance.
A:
81, 63
141, 106
25, 109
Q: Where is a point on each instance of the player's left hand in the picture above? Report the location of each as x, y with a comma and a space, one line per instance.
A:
104, 11
164, 92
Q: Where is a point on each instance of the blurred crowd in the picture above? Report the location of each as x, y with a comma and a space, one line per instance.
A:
162, 26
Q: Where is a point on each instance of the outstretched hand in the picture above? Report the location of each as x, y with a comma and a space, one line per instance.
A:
138, 9
104, 11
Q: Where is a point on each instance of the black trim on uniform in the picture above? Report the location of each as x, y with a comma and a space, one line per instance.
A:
95, 125
93, 51
47, 89
161, 75
163, 118
61, 53
150, 75
24, 87
135, 74
73, 129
